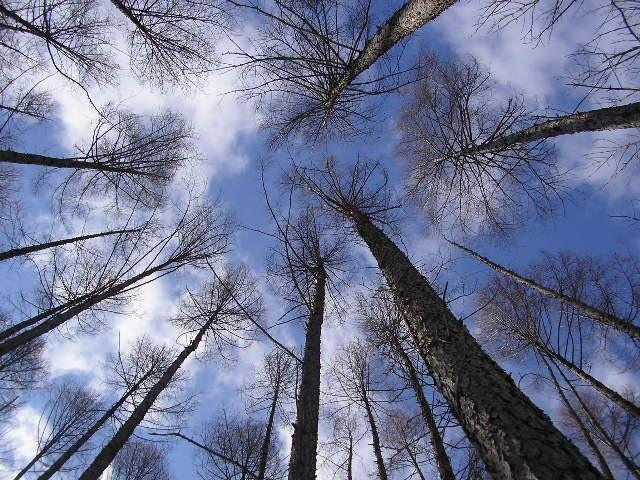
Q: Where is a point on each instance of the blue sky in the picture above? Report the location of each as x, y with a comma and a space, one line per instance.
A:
233, 146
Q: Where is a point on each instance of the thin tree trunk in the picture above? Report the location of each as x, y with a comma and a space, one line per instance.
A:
516, 439
264, 452
405, 21
611, 394
604, 466
592, 312
59, 463
414, 461
16, 252
631, 466
375, 437
111, 449
302, 463
57, 320
35, 459
9, 156
350, 459
444, 464
609, 118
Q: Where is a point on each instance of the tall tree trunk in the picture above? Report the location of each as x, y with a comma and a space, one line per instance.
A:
111, 449
631, 466
58, 319
264, 451
611, 394
604, 466
442, 459
375, 437
610, 118
35, 459
16, 252
405, 21
302, 463
59, 463
9, 156
592, 312
516, 439
350, 459
414, 462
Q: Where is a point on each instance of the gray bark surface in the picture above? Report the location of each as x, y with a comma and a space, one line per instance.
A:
375, 436
9, 156
302, 463
516, 439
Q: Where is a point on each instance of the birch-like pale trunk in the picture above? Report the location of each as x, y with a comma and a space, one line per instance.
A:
58, 319
304, 443
405, 21
516, 439
9, 156
442, 459
592, 312
111, 449
17, 252
609, 118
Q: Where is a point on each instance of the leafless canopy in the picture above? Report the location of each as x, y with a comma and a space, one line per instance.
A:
449, 116
301, 53
140, 460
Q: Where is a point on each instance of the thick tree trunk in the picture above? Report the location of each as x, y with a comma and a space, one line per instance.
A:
612, 395
516, 439
375, 437
111, 449
59, 463
12, 330
58, 319
264, 451
592, 312
406, 20
302, 463
604, 466
9, 156
610, 118
16, 252
444, 464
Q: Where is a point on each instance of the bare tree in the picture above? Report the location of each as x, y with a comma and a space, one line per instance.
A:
217, 321
310, 64
200, 234
382, 322
132, 374
584, 284
347, 433
127, 157
69, 412
172, 41
269, 391
404, 434
140, 460
526, 320
354, 374
499, 418
233, 450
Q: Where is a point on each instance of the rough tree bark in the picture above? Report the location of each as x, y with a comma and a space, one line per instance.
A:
609, 118
111, 449
444, 464
406, 20
516, 439
16, 252
592, 312
302, 463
